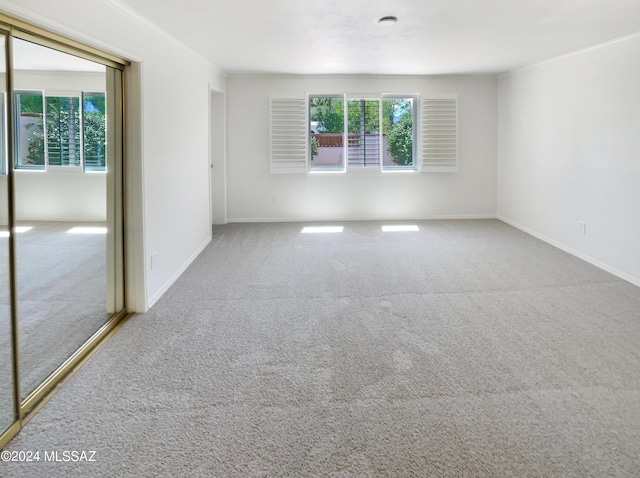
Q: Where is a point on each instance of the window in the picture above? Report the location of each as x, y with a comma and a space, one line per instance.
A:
364, 148
326, 129
389, 132
380, 133
398, 132
60, 130
63, 130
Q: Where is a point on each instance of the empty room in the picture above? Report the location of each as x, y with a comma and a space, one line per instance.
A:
320, 238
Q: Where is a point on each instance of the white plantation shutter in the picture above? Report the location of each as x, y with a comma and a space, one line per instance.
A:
440, 133
289, 134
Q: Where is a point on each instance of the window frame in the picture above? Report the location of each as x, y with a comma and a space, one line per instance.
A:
380, 167
17, 114
3, 134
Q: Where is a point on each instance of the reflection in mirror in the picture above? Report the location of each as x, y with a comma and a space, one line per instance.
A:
6, 359
60, 186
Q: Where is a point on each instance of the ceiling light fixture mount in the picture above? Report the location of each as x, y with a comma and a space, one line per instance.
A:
389, 19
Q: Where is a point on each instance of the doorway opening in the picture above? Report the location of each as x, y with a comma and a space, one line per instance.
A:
217, 150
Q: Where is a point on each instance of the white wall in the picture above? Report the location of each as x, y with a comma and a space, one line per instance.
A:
169, 204
569, 151
471, 192
59, 81
60, 194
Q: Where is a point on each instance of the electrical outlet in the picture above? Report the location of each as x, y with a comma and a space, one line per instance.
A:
582, 227
276, 200
152, 260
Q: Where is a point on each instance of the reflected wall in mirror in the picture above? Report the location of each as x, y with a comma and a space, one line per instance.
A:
6, 355
61, 198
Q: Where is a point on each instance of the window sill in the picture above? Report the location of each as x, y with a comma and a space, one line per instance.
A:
400, 171
363, 171
380, 171
58, 170
28, 170
327, 171
66, 169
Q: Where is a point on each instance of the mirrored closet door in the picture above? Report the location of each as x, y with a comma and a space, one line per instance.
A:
62, 213
61, 203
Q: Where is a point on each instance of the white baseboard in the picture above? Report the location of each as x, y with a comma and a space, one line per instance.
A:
153, 299
358, 218
601, 265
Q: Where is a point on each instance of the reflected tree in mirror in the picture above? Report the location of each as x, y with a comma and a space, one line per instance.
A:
63, 130
29, 108
95, 138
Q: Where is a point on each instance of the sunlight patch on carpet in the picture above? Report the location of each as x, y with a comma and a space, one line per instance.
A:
401, 228
18, 229
87, 230
321, 229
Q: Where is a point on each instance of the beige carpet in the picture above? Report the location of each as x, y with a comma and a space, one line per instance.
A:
465, 349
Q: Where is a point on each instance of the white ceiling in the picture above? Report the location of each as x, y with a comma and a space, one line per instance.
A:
29, 56
430, 37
